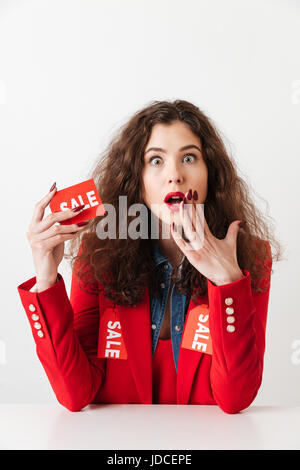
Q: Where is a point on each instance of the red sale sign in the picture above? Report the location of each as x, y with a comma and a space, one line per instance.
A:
84, 193
197, 333
111, 342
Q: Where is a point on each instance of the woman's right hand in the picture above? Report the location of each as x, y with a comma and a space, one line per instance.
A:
47, 240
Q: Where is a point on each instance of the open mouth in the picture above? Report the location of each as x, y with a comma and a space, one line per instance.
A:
174, 200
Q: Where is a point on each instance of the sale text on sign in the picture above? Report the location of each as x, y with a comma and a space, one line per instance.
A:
197, 334
84, 193
111, 342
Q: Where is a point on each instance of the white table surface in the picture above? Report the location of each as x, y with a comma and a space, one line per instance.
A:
136, 427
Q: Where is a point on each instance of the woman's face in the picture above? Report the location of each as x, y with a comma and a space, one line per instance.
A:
170, 168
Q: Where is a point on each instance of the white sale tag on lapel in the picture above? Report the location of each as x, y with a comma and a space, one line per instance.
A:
197, 334
111, 343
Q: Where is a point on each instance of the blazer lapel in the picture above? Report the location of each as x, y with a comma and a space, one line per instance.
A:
188, 362
136, 330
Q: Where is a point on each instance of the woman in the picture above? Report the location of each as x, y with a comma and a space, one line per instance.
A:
135, 329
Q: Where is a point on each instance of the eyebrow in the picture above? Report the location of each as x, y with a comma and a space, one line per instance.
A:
186, 147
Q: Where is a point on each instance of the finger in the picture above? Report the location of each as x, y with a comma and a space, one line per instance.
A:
194, 213
198, 222
187, 211
58, 229
40, 207
178, 239
52, 242
186, 221
202, 229
200, 213
58, 217
232, 232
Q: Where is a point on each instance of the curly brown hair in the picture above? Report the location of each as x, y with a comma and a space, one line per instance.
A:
122, 268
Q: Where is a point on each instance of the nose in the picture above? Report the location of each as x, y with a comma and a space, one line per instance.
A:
174, 172
176, 179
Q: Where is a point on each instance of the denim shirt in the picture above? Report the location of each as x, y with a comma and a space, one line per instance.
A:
179, 304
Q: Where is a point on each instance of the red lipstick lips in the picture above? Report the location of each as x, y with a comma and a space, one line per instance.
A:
173, 200
174, 195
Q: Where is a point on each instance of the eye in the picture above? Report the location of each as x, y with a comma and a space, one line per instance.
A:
186, 155
190, 155
153, 159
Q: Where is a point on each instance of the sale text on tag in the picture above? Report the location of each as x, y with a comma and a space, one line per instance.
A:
84, 193
111, 342
197, 334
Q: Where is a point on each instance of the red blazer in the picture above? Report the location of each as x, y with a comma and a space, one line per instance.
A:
67, 346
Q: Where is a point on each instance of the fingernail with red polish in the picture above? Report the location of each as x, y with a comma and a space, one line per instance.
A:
242, 224
174, 227
76, 209
184, 200
189, 196
81, 224
52, 187
195, 196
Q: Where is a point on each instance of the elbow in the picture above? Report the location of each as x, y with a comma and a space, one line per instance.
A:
74, 402
231, 408
236, 404
235, 399
74, 408
235, 395
71, 405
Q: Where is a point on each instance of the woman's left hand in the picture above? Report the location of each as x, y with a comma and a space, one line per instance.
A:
213, 258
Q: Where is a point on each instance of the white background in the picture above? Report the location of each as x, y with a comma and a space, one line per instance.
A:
71, 72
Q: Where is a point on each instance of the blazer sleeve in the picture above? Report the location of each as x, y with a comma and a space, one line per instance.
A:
237, 359
66, 334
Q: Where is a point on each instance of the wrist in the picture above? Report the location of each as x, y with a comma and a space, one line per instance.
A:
228, 278
43, 285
